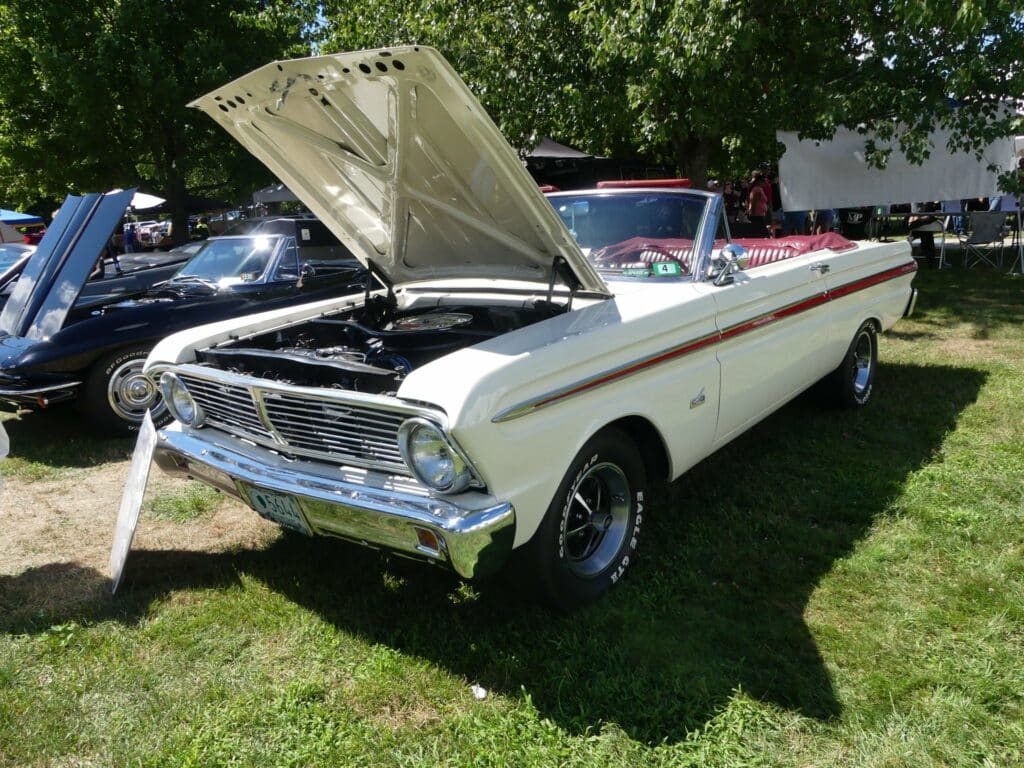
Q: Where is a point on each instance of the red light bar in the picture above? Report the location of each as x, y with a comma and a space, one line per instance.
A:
648, 183
545, 188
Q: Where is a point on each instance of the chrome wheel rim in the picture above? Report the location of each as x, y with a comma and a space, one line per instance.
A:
595, 524
863, 360
130, 394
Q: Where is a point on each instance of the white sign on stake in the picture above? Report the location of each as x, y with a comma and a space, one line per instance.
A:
131, 501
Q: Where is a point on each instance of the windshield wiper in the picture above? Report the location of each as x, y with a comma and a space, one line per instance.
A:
193, 279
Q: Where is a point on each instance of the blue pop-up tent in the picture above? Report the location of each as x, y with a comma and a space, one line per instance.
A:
17, 219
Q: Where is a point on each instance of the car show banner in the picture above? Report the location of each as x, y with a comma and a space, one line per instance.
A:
835, 174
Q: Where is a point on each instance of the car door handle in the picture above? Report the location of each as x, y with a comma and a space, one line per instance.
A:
821, 267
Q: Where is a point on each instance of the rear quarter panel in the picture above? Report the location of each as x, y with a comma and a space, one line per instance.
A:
872, 282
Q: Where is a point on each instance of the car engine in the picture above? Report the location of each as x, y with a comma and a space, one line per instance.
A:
368, 350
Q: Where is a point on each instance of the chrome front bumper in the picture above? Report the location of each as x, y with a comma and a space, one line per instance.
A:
23, 393
471, 541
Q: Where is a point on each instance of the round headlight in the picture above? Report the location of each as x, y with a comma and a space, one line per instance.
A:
179, 401
430, 457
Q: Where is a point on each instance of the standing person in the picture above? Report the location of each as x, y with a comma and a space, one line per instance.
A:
924, 228
732, 201
823, 221
201, 230
131, 240
757, 203
744, 193
794, 223
774, 191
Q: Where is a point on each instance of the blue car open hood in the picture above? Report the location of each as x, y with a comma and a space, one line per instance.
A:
55, 274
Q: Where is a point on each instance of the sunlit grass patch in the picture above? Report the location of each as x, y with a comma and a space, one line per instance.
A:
181, 505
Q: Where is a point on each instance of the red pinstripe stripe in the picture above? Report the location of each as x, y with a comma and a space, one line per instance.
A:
685, 349
867, 282
739, 329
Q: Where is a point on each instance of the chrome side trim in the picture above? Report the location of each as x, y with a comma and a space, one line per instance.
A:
704, 242
607, 377
14, 392
474, 541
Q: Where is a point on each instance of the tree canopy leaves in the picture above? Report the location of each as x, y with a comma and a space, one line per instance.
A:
706, 84
93, 93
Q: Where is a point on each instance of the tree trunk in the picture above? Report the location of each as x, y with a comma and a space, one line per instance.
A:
177, 196
692, 154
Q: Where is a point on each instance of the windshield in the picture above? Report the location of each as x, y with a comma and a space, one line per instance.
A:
10, 253
646, 234
232, 259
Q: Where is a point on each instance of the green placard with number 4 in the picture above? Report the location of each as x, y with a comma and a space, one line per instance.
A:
666, 268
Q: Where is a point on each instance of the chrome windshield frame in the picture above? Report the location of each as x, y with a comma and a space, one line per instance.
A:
705, 237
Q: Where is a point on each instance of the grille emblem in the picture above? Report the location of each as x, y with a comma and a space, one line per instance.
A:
336, 413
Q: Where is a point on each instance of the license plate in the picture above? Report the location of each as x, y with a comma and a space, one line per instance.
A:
278, 508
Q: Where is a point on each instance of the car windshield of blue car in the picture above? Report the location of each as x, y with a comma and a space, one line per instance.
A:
10, 253
643, 234
230, 261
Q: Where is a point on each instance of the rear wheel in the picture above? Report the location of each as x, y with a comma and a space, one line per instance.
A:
116, 394
590, 531
853, 381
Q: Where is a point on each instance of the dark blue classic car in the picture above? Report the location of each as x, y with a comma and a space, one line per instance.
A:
62, 342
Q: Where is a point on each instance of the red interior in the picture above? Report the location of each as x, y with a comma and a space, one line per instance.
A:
762, 250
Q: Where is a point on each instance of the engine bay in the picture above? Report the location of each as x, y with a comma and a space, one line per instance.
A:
370, 349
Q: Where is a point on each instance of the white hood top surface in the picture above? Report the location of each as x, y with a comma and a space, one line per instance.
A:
396, 156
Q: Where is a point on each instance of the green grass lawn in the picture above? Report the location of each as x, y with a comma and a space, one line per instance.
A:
832, 589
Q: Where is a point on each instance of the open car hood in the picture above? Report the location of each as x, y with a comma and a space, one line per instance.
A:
396, 156
54, 275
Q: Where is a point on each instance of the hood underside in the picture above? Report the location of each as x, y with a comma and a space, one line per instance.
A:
396, 156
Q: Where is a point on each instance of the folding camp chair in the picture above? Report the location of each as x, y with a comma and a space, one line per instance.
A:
987, 230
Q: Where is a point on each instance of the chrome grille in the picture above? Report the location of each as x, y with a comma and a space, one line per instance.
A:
352, 433
227, 405
343, 430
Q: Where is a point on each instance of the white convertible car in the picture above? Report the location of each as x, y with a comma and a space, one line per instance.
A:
521, 368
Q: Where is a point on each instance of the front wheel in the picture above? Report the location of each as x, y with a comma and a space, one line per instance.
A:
854, 380
116, 394
589, 534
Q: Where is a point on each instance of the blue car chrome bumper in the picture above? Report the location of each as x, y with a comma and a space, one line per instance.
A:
472, 541
22, 392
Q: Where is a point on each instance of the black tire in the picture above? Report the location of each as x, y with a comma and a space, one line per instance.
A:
574, 558
115, 396
853, 382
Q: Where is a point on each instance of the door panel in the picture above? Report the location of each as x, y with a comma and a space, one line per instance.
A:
775, 323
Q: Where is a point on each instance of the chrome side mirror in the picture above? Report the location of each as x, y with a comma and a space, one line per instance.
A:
731, 259
306, 271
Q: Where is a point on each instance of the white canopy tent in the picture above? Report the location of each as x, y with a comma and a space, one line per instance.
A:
835, 174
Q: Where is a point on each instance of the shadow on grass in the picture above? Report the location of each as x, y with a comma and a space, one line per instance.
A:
732, 554
985, 297
59, 438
